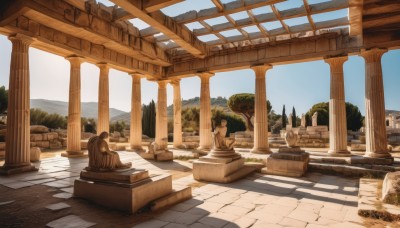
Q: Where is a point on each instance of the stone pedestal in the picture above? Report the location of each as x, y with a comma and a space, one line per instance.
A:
288, 161
221, 167
17, 152
128, 190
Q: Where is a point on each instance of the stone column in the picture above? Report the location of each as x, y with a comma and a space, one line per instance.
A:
103, 116
74, 108
136, 114
205, 112
17, 155
161, 116
261, 145
375, 126
337, 109
177, 114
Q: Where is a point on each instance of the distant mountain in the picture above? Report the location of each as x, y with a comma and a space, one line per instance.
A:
219, 102
89, 109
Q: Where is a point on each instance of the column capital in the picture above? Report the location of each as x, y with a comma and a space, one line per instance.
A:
136, 76
260, 69
205, 74
75, 60
21, 37
162, 83
373, 54
175, 82
103, 66
336, 61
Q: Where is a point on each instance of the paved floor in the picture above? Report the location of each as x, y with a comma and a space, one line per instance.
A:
257, 201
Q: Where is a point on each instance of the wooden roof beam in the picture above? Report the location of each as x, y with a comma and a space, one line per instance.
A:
356, 16
278, 15
178, 33
309, 18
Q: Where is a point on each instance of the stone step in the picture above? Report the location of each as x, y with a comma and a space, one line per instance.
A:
240, 173
351, 170
178, 194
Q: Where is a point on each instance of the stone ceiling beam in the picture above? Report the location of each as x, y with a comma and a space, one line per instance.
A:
283, 52
178, 33
355, 17
88, 25
62, 44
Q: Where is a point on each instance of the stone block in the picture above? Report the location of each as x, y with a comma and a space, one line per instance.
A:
129, 197
391, 188
220, 172
38, 129
287, 164
163, 156
35, 154
36, 137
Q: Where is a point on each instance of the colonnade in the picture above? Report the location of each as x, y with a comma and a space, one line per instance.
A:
18, 126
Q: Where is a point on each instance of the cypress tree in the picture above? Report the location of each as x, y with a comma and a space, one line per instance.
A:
152, 116
294, 117
283, 117
145, 120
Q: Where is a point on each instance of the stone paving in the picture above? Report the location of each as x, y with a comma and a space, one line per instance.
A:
257, 201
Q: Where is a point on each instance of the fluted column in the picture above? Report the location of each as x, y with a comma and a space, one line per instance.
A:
260, 111
337, 109
161, 116
205, 112
103, 116
136, 114
17, 155
74, 108
375, 126
177, 114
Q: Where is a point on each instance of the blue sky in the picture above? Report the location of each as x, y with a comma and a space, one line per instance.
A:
300, 85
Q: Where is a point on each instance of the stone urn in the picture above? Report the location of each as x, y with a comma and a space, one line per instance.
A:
290, 138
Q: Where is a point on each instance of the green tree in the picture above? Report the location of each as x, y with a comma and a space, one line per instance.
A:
3, 99
190, 119
354, 119
323, 113
234, 122
243, 104
88, 125
149, 119
294, 117
118, 126
284, 117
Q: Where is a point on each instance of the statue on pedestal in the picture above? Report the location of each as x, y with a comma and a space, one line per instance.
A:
101, 158
290, 138
314, 119
303, 120
290, 118
219, 140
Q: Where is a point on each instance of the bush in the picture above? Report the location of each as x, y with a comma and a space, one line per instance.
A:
53, 121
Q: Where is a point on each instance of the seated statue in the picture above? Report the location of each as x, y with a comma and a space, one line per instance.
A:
101, 158
219, 140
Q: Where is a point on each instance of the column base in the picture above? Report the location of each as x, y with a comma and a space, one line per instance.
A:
260, 151
7, 170
341, 153
377, 155
137, 149
203, 149
74, 154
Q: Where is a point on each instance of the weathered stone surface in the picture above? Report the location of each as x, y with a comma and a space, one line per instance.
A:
287, 164
35, 154
391, 188
39, 129
70, 221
